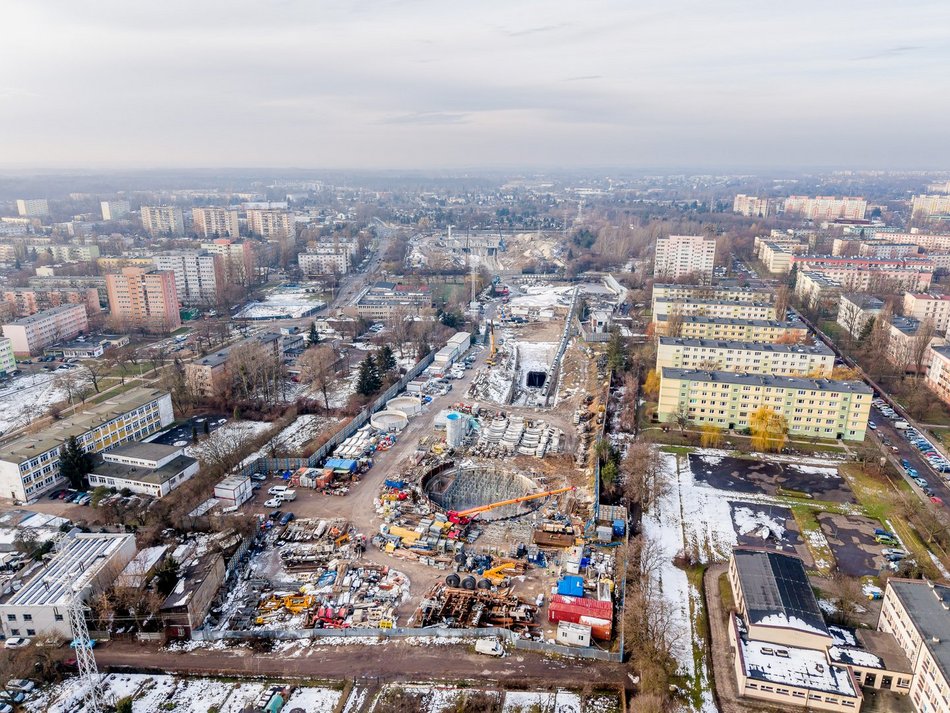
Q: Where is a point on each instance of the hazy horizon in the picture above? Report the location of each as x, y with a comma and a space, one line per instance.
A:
423, 86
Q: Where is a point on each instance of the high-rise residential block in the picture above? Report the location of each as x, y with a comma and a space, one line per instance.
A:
826, 207
239, 259
162, 220
199, 275
752, 206
928, 206
821, 408
215, 222
271, 224
7, 359
680, 256
922, 306
325, 259
31, 334
25, 301
32, 207
115, 210
144, 299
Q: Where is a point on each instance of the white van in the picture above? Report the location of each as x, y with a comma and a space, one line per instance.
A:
278, 490
288, 495
489, 647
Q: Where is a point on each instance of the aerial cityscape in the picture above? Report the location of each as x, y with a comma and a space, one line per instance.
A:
393, 357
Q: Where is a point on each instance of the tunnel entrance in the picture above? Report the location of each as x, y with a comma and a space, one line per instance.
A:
536, 379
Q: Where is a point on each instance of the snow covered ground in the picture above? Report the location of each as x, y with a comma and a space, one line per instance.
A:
28, 397
230, 435
541, 296
293, 438
287, 303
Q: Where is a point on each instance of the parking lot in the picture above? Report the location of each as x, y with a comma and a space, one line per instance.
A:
742, 475
853, 543
181, 435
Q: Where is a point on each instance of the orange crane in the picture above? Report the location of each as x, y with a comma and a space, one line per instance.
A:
463, 517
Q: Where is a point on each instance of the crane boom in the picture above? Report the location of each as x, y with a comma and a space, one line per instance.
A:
463, 517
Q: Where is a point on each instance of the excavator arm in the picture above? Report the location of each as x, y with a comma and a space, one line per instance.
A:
463, 517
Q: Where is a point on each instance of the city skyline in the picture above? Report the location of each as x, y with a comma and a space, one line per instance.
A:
420, 85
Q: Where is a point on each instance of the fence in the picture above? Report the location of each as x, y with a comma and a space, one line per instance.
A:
404, 632
264, 465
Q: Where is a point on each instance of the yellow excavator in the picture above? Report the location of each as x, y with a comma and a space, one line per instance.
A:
496, 575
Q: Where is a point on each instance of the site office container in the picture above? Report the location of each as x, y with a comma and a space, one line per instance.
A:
600, 629
600, 608
590, 612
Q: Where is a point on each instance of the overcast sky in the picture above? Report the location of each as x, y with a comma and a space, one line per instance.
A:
442, 84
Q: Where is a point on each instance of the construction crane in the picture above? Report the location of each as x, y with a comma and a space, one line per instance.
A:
492, 349
463, 517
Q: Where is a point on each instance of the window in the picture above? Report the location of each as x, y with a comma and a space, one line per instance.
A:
14, 632
11, 617
27, 617
58, 617
31, 632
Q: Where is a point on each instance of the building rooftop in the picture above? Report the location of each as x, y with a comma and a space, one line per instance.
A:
819, 348
190, 580
722, 286
777, 592
907, 325
863, 300
71, 570
819, 278
145, 451
150, 476
30, 446
785, 382
140, 567
47, 313
927, 605
791, 666
701, 301
792, 324
928, 296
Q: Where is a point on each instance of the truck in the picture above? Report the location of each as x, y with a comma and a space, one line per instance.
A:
288, 496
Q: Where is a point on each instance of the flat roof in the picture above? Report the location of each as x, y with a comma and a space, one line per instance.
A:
792, 324
150, 476
785, 382
701, 301
819, 348
792, 666
190, 579
146, 451
70, 570
30, 446
46, 313
712, 288
862, 300
777, 592
927, 606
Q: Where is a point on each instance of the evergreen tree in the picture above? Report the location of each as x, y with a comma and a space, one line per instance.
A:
313, 337
74, 463
207, 427
194, 434
368, 381
385, 359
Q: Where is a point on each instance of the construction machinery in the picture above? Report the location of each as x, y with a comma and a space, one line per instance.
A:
464, 517
492, 347
497, 575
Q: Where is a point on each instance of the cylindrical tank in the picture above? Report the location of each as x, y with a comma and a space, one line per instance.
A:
409, 405
454, 430
389, 420
452, 580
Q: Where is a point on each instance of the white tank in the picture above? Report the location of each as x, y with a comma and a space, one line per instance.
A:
455, 428
409, 405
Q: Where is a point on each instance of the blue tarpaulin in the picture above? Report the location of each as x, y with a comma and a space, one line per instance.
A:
571, 586
341, 464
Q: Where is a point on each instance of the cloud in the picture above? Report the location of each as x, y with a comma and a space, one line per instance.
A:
890, 52
428, 118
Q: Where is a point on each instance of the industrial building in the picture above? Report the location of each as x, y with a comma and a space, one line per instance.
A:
147, 468
83, 564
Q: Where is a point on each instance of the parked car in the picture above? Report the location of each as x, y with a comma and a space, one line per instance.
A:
259, 477
287, 517
76, 643
24, 685
872, 425
12, 697
6, 708
273, 503
16, 642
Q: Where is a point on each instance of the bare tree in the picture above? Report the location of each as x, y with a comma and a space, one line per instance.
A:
318, 368
93, 371
644, 478
920, 344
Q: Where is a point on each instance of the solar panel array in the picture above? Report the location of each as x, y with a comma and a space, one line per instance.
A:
776, 584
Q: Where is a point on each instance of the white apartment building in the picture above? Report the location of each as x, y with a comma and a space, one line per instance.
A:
679, 256
29, 465
736, 293
71, 253
752, 206
826, 207
929, 242
271, 224
816, 290
885, 249
811, 407
199, 275
745, 357
216, 222
83, 565
325, 260
30, 335
239, 259
938, 373
7, 360
922, 306
32, 207
855, 310
735, 309
162, 220
115, 210
740, 330
925, 206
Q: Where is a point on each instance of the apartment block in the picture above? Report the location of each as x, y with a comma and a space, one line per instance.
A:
928, 306
753, 207
162, 220
740, 330
777, 257
115, 210
858, 274
325, 260
938, 373
906, 343
887, 250
855, 310
271, 224
816, 289
926, 206
32, 207
29, 465
208, 375
915, 612
929, 242
71, 253
826, 207
7, 360
385, 299
199, 275
238, 257
679, 256
738, 293
812, 407
31, 334
745, 357
70, 282
713, 308
144, 299
215, 222
25, 301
